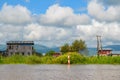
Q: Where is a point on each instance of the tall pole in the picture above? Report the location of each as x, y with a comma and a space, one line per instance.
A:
99, 44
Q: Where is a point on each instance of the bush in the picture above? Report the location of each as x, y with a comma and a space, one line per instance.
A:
15, 59
47, 60
33, 59
75, 58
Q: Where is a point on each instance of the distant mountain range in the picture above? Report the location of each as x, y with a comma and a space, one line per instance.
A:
113, 47
2, 47
43, 49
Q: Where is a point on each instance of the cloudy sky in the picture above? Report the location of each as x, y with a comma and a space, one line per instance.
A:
55, 22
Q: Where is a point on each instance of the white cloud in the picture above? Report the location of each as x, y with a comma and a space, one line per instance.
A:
10, 32
51, 28
14, 14
101, 13
58, 36
108, 31
38, 32
46, 35
63, 16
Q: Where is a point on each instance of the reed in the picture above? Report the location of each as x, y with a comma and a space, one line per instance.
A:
75, 58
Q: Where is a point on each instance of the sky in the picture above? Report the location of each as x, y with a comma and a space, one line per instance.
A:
56, 22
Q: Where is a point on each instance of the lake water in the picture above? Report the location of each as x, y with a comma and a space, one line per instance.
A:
59, 72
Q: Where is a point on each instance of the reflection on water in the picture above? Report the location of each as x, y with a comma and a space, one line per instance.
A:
68, 66
59, 72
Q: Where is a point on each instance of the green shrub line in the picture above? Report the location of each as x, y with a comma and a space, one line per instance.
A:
75, 58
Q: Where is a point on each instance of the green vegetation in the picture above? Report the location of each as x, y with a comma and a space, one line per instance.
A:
65, 48
75, 58
77, 46
50, 53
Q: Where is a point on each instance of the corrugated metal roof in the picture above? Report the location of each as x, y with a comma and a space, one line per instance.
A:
20, 42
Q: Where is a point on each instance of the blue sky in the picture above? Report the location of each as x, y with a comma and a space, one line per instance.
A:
40, 6
55, 22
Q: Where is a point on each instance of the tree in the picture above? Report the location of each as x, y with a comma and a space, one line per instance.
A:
38, 54
78, 45
65, 48
50, 53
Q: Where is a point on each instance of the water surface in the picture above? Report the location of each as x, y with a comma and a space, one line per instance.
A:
59, 72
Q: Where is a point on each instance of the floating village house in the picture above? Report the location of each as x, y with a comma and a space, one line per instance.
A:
100, 51
20, 47
105, 52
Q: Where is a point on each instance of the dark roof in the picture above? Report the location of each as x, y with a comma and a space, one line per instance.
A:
105, 50
20, 43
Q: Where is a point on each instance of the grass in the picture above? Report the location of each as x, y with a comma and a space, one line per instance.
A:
74, 57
